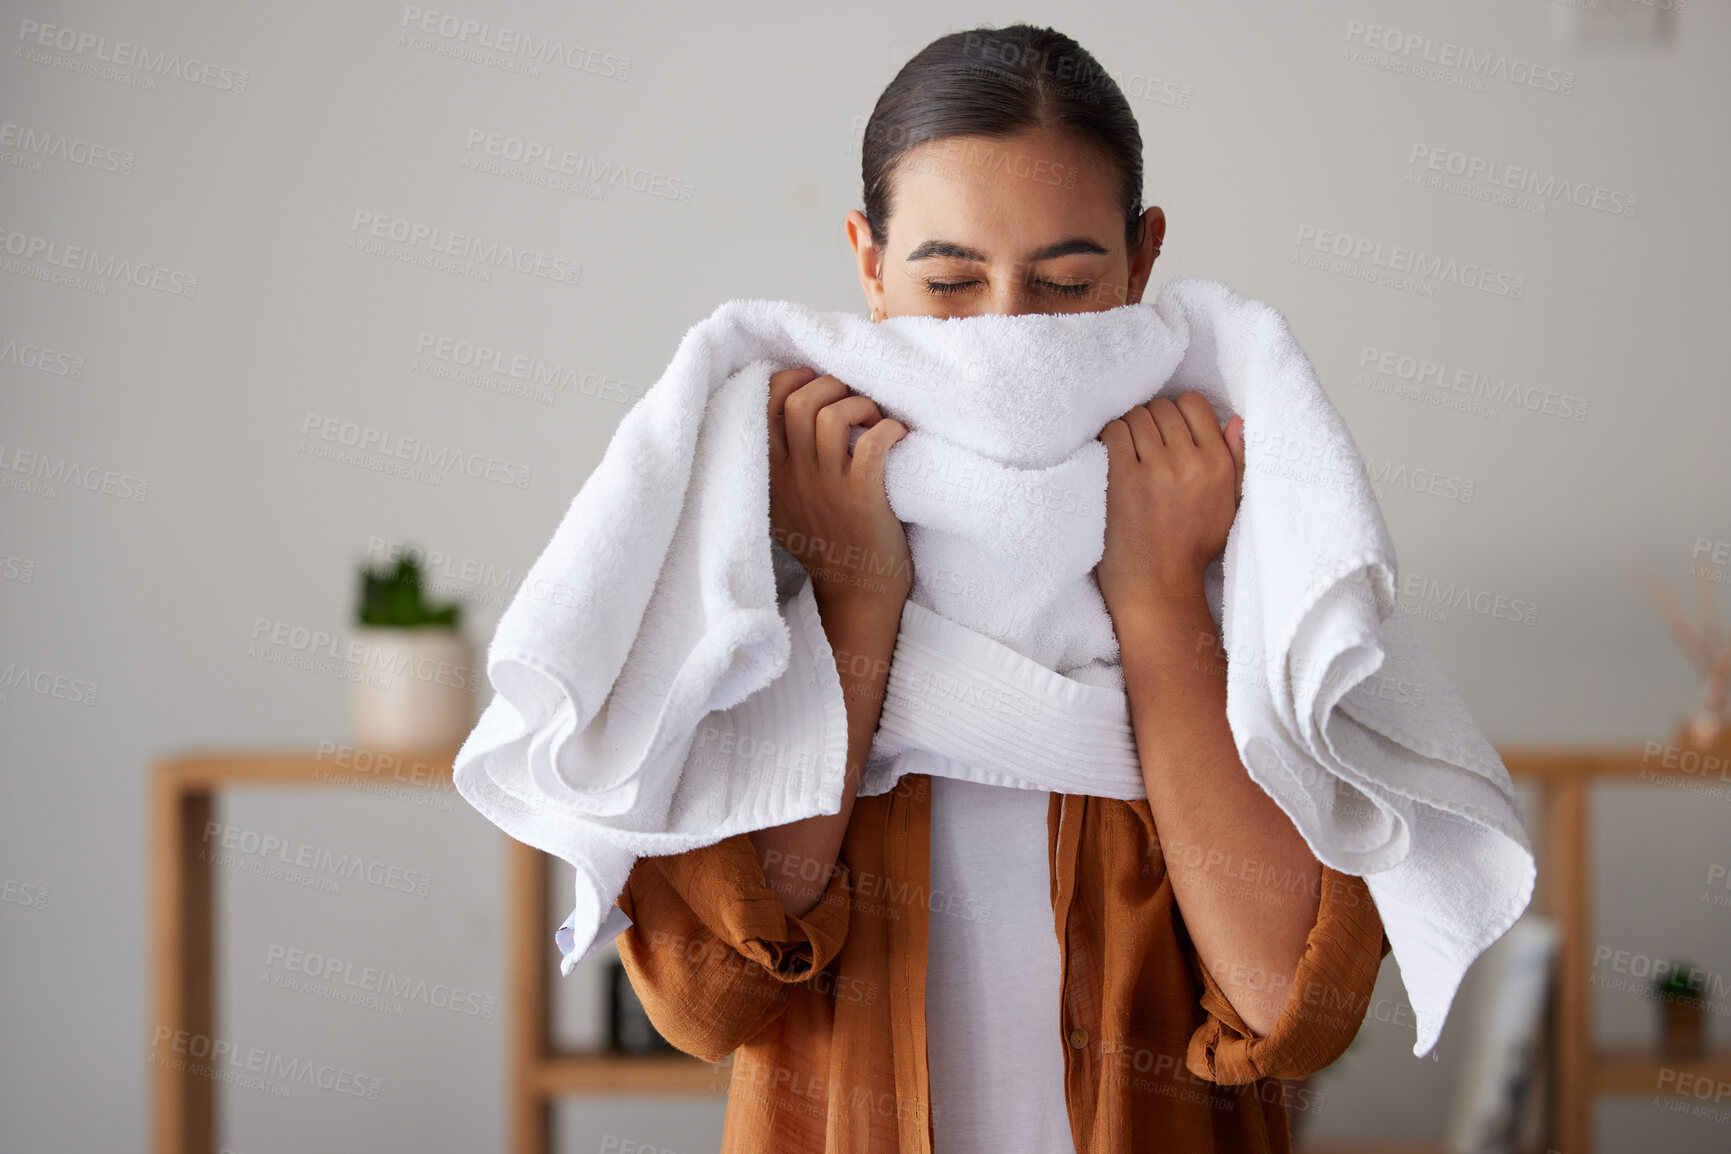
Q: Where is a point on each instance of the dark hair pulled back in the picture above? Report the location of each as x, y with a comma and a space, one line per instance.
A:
1000, 82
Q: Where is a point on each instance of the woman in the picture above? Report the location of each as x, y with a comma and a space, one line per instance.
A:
961, 967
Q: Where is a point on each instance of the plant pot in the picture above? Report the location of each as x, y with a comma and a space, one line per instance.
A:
414, 689
1681, 1025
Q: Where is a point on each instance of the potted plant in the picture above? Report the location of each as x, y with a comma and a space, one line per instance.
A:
417, 683
1680, 1005
1710, 725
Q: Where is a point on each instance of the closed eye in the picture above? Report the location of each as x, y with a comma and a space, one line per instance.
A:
947, 288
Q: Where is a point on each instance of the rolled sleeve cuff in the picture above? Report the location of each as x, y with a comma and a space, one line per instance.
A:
1330, 992
726, 888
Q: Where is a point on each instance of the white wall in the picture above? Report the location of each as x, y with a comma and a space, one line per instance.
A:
1258, 129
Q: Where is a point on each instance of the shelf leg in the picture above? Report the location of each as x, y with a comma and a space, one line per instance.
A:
183, 968
1568, 890
528, 946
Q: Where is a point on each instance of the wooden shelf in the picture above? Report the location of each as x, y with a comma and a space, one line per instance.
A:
1564, 778
183, 793
1637, 1072
563, 1074
426, 768
183, 790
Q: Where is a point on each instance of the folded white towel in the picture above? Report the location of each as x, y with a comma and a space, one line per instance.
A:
629, 718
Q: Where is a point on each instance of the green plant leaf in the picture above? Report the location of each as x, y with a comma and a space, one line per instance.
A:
391, 598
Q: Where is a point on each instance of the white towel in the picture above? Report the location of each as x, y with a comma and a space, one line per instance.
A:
629, 718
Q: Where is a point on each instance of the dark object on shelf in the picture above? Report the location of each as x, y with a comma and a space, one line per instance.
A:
629, 1030
1682, 1008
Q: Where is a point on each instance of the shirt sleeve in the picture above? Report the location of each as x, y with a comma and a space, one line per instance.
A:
711, 948
1330, 993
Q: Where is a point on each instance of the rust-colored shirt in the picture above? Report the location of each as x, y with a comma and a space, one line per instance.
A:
825, 1014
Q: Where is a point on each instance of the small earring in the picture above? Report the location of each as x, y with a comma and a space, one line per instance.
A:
876, 316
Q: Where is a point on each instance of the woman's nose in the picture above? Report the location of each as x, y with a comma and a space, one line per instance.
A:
1012, 299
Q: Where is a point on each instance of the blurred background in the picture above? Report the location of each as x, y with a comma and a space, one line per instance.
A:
251, 252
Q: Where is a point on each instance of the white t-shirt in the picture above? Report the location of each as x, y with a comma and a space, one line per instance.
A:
994, 1038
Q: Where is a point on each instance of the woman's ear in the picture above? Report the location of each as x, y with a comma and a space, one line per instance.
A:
1142, 258
870, 260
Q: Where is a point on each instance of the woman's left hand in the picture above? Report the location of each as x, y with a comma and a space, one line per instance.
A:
1173, 482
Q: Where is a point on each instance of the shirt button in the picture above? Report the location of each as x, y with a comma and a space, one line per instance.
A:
1078, 1037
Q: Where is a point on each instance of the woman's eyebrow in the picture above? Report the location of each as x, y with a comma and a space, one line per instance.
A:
933, 248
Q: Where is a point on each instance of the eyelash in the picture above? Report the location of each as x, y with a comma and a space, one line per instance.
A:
949, 288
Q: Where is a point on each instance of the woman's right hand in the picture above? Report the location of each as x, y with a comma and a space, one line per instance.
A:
827, 505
